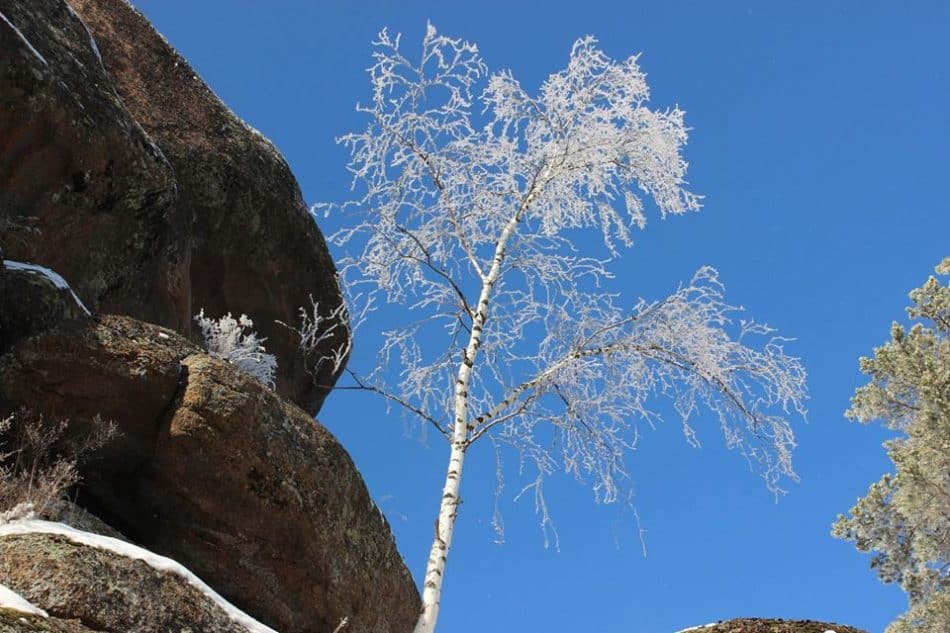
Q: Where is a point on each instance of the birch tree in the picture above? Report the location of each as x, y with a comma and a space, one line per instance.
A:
472, 194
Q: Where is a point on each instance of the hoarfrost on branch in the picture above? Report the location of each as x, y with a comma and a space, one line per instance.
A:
472, 194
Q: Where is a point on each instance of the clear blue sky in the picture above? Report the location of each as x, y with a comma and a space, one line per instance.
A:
820, 141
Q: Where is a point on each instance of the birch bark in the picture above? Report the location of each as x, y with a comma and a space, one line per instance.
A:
448, 509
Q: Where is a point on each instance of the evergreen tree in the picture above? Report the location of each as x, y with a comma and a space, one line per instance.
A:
905, 517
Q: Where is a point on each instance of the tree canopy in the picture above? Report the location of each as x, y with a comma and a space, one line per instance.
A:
905, 517
473, 199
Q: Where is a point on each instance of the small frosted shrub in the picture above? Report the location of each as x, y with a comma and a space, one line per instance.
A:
235, 341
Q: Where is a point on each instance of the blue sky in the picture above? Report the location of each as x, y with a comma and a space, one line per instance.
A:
820, 134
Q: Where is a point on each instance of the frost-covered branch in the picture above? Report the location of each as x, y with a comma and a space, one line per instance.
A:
315, 330
362, 385
606, 369
471, 201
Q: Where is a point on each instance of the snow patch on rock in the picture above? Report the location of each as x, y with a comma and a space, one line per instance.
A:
53, 276
696, 628
92, 41
23, 38
161, 563
10, 599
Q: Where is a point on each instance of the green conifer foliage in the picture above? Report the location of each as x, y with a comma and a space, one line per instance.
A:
904, 520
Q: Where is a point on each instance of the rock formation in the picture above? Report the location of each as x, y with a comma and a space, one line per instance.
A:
152, 200
103, 591
148, 193
31, 303
218, 472
15, 622
765, 625
103, 197
255, 247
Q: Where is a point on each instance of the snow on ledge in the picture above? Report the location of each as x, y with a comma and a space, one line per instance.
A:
704, 626
53, 276
696, 628
92, 41
161, 563
23, 39
10, 599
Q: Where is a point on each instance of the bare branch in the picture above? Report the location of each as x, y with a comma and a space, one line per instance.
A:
363, 386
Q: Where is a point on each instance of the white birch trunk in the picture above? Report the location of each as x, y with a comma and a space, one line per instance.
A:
448, 509
444, 527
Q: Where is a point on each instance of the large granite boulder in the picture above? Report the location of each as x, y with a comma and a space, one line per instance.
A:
767, 625
32, 300
215, 470
256, 249
117, 368
103, 590
146, 191
76, 167
12, 621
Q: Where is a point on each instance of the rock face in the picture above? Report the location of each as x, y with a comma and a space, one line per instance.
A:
31, 303
121, 369
148, 193
762, 625
154, 201
216, 471
74, 158
256, 249
15, 622
105, 591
